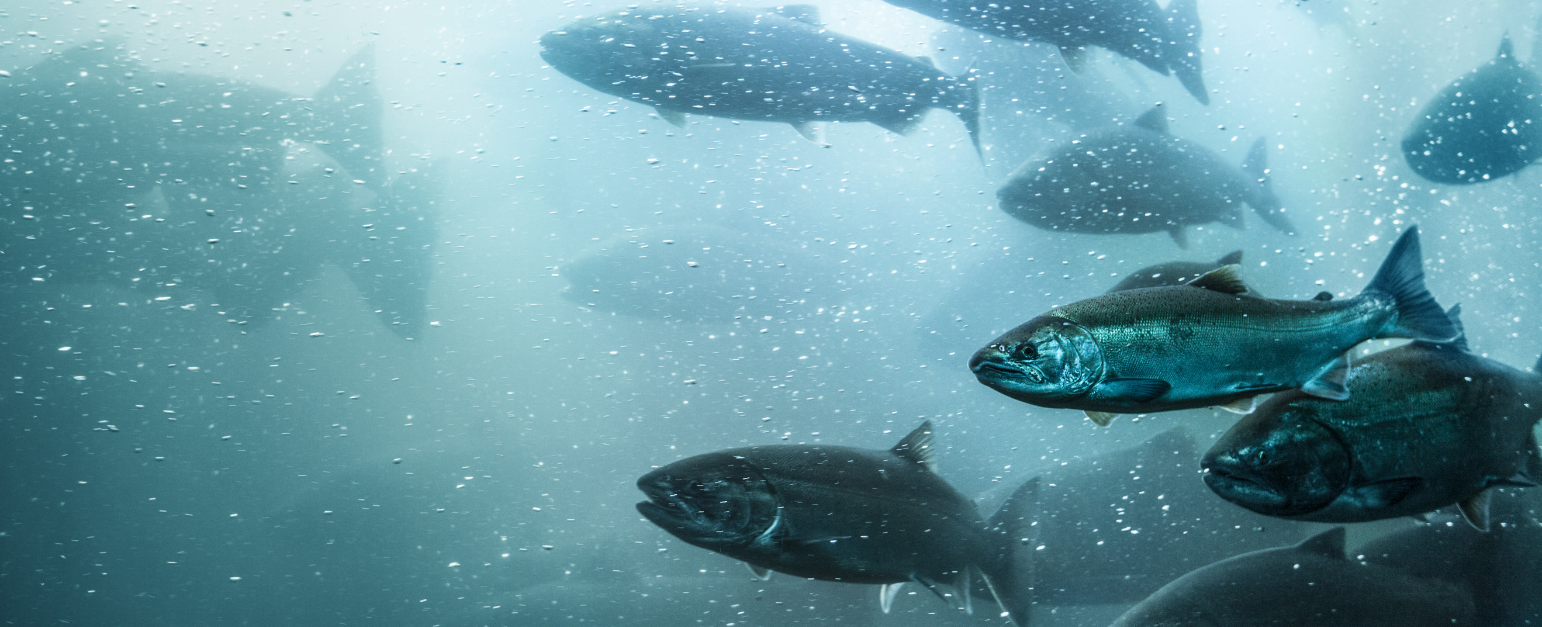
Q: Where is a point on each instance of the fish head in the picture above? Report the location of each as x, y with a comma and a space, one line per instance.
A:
716, 501
1046, 361
1280, 461
600, 50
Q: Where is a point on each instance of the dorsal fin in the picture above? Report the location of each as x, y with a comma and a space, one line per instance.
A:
1225, 279
806, 13
1506, 49
928, 61
917, 447
1154, 119
1328, 544
1231, 259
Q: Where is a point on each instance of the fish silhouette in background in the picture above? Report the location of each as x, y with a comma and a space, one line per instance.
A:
774, 65
839, 513
1173, 273
1311, 583
1425, 426
1138, 178
1165, 40
152, 179
1209, 342
1115, 527
1483, 126
1500, 568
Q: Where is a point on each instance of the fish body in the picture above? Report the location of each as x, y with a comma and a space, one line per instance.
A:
1426, 426
1115, 527
1209, 342
1139, 179
1310, 584
750, 64
1172, 273
1167, 41
1501, 567
834, 513
1485, 125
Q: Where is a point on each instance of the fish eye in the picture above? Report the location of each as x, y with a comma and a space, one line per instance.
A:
1025, 351
1257, 457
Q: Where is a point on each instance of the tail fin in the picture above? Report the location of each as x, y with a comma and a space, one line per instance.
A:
1264, 202
1010, 575
1401, 277
1182, 49
349, 116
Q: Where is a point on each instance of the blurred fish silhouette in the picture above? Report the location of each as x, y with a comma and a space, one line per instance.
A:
1483, 126
1311, 583
1138, 178
1173, 273
774, 65
1165, 40
152, 178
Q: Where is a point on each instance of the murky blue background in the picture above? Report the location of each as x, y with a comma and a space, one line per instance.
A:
481, 472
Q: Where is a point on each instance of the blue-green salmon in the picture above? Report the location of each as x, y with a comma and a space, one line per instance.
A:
1211, 342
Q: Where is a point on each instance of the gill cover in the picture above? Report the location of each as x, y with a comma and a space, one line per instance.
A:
1046, 359
715, 501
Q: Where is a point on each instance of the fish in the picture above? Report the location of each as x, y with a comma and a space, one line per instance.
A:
1500, 567
773, 65
1167, 41
1172, 273
1485, 125
692, 273
1311, 583
1210, 342
1139, 178
1426, 426
839, 513
1115, 527
251, 190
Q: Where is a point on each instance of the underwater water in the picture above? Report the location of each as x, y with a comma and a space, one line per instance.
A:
338, 313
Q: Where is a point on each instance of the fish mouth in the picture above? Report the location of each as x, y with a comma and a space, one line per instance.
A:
669, 510
1230, 482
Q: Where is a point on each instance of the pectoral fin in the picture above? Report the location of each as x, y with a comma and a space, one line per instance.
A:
1242, 406
1075, 58
760, 572
676, 118
1100, 418
811, 131
1136, 390
1475, 509
1330, 384
954, 590
1384, 494
886, 594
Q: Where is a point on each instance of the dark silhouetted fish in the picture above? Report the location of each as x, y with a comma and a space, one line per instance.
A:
1138, 178
1166, 41
839, 514
691, 273
1310, 584
1115, 527
747, 64
1501, 567
1426, 426
1172, 273
1211, 342
1484, 125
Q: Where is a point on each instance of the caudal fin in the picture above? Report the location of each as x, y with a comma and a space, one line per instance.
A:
1263, 200
1010, 575
1401, 277
348, 124
1182, 49
968, 107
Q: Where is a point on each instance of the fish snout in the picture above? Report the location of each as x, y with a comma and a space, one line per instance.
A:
992, 360
1237, 476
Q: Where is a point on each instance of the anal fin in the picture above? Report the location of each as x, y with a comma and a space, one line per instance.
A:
1243, 406
1475, 509
811, 131
760, 572
671, 116
1075, 57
